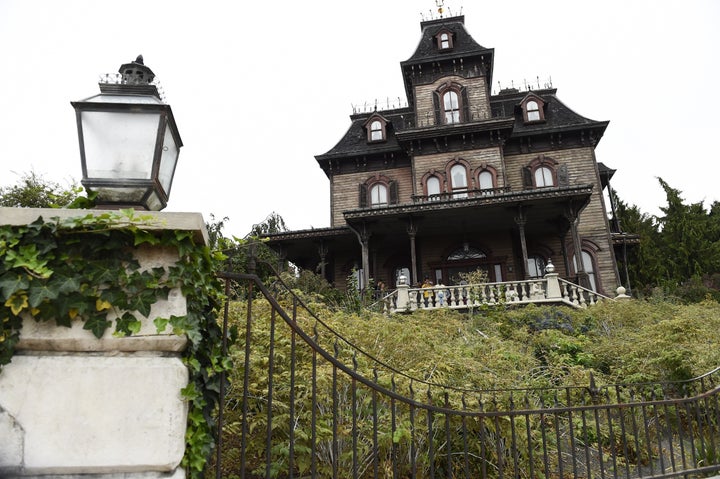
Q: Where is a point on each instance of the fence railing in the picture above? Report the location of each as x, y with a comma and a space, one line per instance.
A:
306, 402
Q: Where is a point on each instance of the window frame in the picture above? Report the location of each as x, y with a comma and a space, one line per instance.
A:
391, 192
539, 110
458, 192
540, 162
383, 123
444, 44
485, 168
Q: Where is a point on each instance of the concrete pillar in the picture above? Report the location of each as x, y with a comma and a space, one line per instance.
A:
73, 405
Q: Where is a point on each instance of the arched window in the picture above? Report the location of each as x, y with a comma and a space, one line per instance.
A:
458, 179
485, 180
378, 195
589, 266
536, 266
451, 107
376, 131
544, 177
533, 111
433, 186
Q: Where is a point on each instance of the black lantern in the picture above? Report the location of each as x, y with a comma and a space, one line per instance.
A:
129, 142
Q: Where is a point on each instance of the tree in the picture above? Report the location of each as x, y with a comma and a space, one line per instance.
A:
689, 238
678, 251
34, 191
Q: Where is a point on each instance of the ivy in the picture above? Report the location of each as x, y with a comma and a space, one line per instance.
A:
84, 269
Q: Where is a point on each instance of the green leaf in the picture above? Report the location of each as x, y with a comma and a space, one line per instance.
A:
40, 292
143, 236
160, 324
11, 282
127, 324
98, 324
65, 284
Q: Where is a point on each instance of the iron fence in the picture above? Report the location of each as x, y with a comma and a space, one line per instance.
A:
307, 402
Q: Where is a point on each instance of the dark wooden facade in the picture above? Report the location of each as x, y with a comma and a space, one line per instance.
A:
462, 179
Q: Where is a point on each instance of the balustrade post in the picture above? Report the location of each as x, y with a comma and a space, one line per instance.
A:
403, 295
552, 280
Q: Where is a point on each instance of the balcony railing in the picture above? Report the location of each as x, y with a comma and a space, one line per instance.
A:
548, 290
460, 194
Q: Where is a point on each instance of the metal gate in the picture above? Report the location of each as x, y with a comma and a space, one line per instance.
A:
307, 402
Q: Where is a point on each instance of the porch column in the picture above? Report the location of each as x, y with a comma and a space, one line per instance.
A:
322, 251
363, 236
412, 232
521, 220
573, 218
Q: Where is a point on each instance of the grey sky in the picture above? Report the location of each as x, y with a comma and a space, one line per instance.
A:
258, 89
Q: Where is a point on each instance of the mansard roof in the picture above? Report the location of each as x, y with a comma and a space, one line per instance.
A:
354, 142
463, 42
558, 116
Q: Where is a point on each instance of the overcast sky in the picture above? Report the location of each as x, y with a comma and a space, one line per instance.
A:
259, 88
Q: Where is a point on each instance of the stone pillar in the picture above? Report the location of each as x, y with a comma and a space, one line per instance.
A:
73, 405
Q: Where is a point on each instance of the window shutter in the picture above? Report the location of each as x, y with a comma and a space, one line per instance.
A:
363, 196
465, 106
562, 176
393, 193
436, 105
527, 177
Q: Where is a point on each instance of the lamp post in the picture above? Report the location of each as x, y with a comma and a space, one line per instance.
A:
129, 142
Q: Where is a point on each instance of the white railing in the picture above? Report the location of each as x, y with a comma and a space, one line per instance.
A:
550, 289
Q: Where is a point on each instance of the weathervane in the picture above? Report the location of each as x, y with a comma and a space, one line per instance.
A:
439, 4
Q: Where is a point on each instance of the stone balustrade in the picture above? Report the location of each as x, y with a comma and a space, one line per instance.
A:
550, 289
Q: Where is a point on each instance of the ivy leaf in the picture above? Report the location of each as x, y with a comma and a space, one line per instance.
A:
17, 302
143, 302
41, 292
143, 236
127, 324
97, 324
65, 284
160, 324
11, 282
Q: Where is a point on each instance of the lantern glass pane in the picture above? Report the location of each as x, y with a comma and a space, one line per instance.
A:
119, 144
168, 160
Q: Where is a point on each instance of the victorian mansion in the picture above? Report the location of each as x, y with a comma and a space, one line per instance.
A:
462, 179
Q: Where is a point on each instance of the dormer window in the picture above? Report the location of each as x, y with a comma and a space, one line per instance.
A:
533, 111
532, 107
444, 40
376, 129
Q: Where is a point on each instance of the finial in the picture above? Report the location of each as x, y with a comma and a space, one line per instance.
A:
140, 60
439, 4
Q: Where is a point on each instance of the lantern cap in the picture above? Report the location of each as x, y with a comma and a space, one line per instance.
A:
133, 78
